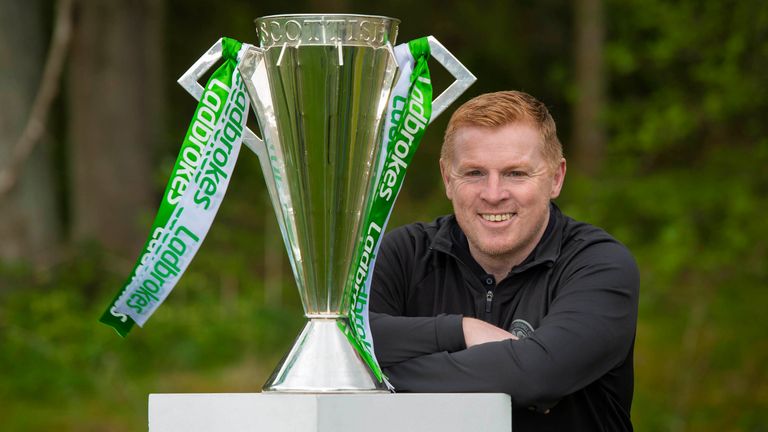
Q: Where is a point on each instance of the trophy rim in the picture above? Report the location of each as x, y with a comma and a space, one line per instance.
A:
296, 15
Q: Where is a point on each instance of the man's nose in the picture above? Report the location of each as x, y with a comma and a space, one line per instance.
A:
495, 189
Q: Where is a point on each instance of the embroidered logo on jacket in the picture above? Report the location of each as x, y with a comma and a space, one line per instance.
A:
521, 328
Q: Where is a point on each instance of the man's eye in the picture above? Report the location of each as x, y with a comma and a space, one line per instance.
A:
473, 173
517, 174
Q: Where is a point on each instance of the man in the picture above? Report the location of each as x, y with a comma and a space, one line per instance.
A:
508, 294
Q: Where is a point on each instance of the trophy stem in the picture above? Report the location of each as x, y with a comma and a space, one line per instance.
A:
323, 361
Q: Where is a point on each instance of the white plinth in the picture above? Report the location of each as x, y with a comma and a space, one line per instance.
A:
235, 412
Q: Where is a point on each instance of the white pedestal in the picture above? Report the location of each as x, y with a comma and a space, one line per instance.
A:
278, 412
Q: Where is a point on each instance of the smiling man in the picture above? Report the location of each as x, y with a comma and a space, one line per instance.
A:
508, 294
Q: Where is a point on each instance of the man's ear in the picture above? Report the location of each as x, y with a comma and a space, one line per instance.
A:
558, 178
445, 173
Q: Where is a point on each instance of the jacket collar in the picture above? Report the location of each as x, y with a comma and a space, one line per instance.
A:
450, 239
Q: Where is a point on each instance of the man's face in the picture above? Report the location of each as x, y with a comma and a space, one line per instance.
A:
500, 185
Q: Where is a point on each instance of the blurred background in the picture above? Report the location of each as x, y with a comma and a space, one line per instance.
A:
661, 107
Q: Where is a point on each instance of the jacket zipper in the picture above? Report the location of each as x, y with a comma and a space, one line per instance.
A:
488, 301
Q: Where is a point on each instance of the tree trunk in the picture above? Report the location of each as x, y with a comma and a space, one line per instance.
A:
29, 216
115, 106
588, 135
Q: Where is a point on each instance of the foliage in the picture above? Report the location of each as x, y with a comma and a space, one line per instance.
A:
62, 369
684, 186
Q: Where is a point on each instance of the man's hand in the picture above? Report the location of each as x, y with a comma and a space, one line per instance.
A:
478, 332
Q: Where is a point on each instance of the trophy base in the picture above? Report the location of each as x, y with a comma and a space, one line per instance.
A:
323, 361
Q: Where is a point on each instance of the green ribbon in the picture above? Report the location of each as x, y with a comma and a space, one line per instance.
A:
188, 207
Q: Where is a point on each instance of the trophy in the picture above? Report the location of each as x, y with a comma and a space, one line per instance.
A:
319, 85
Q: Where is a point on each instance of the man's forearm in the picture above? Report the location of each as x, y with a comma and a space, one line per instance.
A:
478, 369
477, 332
398, 338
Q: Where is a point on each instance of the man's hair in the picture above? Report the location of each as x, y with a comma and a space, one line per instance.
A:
493, 110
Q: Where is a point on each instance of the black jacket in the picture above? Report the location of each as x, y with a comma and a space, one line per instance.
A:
573, 302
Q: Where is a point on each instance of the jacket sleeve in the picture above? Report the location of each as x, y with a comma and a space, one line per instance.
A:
588, 330
396, 337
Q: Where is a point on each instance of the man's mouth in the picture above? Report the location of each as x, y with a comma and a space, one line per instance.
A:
496, 217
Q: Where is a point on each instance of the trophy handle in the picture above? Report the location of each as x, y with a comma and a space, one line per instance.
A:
464, 78
189, 82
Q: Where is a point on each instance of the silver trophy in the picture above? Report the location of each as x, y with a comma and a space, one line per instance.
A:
319, 85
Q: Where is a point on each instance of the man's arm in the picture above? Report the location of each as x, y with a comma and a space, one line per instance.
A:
398, 338
588, 331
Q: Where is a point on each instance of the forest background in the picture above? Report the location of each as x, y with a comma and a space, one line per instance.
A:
661, 107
